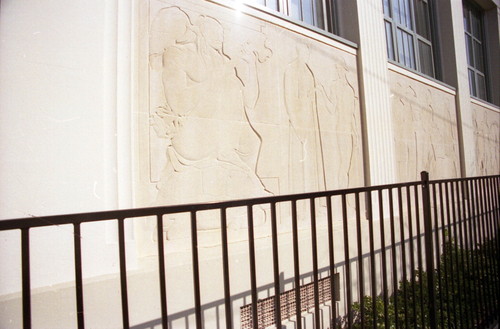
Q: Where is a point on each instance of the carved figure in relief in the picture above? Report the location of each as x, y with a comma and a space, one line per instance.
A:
487, 133
339, 97
305, 154
212, 145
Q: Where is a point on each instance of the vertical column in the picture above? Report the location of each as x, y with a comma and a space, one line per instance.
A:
375, 94
125, 100
118, 77
465, 124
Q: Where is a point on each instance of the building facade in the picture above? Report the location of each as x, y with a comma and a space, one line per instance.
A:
135, 103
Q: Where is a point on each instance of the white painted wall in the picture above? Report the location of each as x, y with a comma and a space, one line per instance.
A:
59, 62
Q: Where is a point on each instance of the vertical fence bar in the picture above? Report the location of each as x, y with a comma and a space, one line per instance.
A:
331, 254
419, 249
296, 265
314, 242
347, 263
196, 269
403, 253
458, 296
467, 247
384, 259
472, 246
161, 270
492, 281
78, 275
361, 275
494, 235
429, 251
491, 245
450, 260
495, 213
487, 250
225, 267
477, 240
445, 311
276, 268
372, 259
394, 259
123, 272
253, 270
437, 253
412, 252
461, 242
445, 253
26, 280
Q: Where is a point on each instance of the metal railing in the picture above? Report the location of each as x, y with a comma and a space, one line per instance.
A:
423, 249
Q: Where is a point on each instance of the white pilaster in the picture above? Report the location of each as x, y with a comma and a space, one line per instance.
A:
375, 102
463, 103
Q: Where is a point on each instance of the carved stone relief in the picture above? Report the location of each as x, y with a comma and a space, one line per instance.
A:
240, 108
487, 138
425, 130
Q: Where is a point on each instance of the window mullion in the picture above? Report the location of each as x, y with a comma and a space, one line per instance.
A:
285, 7
415, 36
395, 44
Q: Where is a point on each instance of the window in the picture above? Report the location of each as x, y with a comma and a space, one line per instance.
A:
474, 44
318, 13
408, 33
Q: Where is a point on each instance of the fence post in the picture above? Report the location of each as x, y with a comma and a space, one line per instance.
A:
429, 250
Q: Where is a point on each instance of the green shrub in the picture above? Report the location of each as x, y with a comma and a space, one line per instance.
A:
466, 282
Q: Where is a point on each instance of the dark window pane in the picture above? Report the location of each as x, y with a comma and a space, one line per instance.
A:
422, 19
407, 13
273, 4
478, 56
472, 83
295, 10
425, 54
466, 18
387, 8
406, 49
411, 51
390, 42
307, 12
401, 12
318, 14
476, 24
396, 14
481, 86
468, 47
400, 46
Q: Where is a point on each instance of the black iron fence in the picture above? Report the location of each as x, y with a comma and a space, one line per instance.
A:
422, 254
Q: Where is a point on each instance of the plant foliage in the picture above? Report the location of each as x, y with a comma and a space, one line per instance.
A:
466, 288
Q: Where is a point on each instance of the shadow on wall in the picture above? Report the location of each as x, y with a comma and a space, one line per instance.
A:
186, 318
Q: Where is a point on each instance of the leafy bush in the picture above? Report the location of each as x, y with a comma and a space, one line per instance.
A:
466, 282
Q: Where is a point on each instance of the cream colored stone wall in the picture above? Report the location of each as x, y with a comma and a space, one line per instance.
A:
235, 107
487, 140
425, 129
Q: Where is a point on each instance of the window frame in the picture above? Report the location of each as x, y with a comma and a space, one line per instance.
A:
322, 13
393, 45
473, 8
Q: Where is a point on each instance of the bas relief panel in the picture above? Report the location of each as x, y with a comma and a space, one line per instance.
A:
487, 140
240, 108
425, 130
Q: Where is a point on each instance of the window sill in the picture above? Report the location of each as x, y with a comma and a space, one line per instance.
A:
415, 75
484, 104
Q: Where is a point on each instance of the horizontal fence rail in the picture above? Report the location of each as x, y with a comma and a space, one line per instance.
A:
421, 254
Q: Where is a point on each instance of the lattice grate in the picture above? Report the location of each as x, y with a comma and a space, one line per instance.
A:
265, 307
